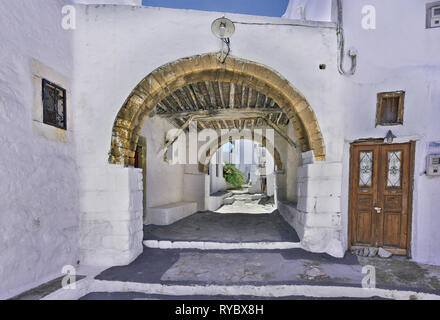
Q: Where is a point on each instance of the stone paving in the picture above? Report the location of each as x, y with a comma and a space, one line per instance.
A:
192, 267
271, 267
233, 223
244, 202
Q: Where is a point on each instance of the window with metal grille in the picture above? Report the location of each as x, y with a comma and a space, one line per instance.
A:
54, 105
433, 15
390, 108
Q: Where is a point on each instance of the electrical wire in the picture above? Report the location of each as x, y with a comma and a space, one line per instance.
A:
227, 41
299, 24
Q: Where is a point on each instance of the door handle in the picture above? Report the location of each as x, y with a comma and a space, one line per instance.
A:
378, 210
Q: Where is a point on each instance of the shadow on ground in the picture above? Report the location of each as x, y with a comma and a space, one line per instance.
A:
230, 227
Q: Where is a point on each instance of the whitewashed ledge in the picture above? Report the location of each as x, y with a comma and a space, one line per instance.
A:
272, 291
202, 245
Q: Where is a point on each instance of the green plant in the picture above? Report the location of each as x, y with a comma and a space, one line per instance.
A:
233, 176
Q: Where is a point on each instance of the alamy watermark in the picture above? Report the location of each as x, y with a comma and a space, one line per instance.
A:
68, 282
368, 21
369, 281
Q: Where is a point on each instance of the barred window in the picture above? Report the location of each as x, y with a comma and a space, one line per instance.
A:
390, 108
54, 105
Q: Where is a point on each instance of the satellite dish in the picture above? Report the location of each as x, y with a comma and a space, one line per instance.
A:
223, 28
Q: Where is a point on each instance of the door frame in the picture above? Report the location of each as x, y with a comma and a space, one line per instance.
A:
142, 145
366, 142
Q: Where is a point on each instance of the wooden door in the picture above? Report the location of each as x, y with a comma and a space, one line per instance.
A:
380, 195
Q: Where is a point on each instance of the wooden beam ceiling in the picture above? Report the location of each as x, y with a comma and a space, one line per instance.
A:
220, 105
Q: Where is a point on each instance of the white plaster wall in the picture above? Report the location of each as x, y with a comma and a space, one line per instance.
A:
118, 2
38, 176
315, 10
164, 180
291, 167
400, 54
217, 183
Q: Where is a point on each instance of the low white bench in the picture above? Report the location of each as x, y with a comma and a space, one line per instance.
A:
170, 213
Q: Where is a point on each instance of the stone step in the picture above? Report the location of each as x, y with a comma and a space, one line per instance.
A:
146, 296
87, 288
208, 245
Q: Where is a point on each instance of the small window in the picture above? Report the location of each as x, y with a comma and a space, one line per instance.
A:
54, 105
390, 108
433, 15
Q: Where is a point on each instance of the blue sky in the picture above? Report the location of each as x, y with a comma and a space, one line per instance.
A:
269, 8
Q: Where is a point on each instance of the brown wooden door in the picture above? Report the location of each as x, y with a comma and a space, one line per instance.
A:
380, 195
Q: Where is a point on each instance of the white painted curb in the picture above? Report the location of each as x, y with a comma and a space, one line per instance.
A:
268, 291
201, 245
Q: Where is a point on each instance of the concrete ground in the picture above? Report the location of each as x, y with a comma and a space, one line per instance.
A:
269, 267
156, 271
233, 223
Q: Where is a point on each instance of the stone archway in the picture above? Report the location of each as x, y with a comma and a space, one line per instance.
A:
317, 215
172, 76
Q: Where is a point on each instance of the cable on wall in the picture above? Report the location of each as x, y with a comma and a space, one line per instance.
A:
352, 53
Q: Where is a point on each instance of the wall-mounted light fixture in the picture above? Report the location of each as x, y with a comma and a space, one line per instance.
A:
223, 28
389, 138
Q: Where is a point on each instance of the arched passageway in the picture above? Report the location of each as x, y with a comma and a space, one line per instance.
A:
238, 95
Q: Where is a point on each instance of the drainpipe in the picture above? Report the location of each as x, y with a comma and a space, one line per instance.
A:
352, 53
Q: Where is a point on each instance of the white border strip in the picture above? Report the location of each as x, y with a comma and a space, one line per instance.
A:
201, 245
269, 291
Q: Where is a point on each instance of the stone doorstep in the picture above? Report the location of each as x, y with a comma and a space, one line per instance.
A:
208, 245
371, 252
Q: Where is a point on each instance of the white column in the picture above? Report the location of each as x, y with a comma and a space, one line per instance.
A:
111, 215
319, 206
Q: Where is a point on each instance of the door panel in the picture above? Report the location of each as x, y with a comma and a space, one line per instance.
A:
380, 195
364, 193
394, 191
364, 228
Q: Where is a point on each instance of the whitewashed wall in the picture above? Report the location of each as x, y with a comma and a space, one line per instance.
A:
217, 183
38, 176
314, 10
118, 46
400, 54
114, 48
291, 163
117, 2
164, 181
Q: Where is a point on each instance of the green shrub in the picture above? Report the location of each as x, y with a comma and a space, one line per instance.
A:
233, 176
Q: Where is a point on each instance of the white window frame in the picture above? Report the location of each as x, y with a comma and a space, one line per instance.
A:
429, 7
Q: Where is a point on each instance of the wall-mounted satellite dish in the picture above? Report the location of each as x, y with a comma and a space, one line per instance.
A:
223, 28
